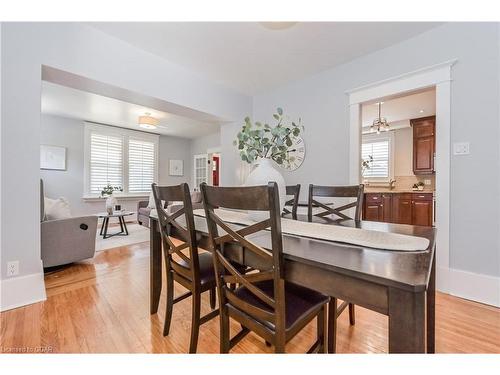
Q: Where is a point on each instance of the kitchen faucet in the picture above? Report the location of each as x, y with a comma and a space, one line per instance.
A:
391, 184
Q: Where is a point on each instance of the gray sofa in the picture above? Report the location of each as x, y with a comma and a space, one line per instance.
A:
143, 211
67, 240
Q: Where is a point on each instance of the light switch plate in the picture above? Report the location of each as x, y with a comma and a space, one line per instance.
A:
427, 182
461, 148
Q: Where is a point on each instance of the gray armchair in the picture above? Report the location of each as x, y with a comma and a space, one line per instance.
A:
67, 240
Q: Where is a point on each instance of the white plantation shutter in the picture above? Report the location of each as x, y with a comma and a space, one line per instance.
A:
380, 151
120, 157
106, 161
141, 165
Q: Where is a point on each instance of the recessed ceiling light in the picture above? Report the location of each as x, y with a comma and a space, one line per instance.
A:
421, 111
148, 122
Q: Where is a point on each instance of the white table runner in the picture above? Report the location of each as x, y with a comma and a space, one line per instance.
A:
335, 233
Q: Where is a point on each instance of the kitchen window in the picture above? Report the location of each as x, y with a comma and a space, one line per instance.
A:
120, 157
378, 148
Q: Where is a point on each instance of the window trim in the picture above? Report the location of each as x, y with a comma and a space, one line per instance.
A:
125, 134
386, 136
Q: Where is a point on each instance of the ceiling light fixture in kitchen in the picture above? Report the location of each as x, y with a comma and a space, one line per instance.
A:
380, 123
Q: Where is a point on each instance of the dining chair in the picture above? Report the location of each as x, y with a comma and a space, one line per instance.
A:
294, 202
263, 302
184, 263
354, 191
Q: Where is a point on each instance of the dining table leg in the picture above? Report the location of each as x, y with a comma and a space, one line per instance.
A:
154, 266
431, 310
406, 321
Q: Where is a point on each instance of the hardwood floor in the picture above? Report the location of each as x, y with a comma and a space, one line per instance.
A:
102, 306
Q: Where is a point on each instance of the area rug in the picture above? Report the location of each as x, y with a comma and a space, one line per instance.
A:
137, 233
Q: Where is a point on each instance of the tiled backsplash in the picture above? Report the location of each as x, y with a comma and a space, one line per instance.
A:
406, 182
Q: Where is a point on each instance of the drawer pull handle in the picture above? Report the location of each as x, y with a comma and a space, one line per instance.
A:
421, 196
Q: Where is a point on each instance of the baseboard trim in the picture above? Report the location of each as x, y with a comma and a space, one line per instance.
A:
472, 286
21, 291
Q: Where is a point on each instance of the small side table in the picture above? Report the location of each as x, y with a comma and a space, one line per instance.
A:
105, 223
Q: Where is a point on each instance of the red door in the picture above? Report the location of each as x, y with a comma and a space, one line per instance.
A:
215, 171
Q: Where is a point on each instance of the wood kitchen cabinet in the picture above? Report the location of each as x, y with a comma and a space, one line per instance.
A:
424, 144
422, 209
400, 208
378, 207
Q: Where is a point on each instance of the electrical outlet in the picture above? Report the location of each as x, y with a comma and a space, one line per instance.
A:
427, 182
461, 148
13, 268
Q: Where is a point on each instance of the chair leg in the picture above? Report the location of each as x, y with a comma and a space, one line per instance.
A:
170, 303
224, 330
279, 344
195, 322
321, 330
212, 298
352, 318
332, 325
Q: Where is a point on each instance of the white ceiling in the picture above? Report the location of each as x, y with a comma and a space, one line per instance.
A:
251, 58
401, 109
68, 102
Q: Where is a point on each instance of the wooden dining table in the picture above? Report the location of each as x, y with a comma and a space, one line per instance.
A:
399, 284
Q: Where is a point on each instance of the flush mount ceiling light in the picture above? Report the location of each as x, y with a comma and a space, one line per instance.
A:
148, 122
277, 25
380, 123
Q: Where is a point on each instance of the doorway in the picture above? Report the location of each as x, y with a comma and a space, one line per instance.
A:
438, 76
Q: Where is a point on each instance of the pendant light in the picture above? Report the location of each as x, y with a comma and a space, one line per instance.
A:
380, 123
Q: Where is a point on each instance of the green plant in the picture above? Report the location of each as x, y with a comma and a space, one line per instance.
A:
108, 190
257, 140
366, 164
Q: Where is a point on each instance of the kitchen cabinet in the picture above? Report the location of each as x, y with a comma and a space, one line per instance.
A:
377, 207
422, 209
424, 145
400, 208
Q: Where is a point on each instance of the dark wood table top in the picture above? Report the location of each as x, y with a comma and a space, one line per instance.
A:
405, 270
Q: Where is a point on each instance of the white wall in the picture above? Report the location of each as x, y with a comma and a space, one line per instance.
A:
81, 50
200, 145
61, 131
322, 103
177, 149
403, 152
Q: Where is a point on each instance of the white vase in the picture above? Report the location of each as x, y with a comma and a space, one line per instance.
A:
263, 173
111, 202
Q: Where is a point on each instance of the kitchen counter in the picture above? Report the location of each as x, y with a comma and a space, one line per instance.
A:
395, 191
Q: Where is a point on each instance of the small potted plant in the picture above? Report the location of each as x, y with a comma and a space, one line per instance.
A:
111, 201
418, 186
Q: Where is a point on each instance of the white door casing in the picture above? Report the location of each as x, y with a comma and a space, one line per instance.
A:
438, 76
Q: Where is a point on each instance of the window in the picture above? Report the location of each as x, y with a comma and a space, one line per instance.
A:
120, 157
379, 148
141, 165
106, 161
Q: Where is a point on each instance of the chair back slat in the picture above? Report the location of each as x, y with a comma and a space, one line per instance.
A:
255, 198
355, 191
168, 221
294, 202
